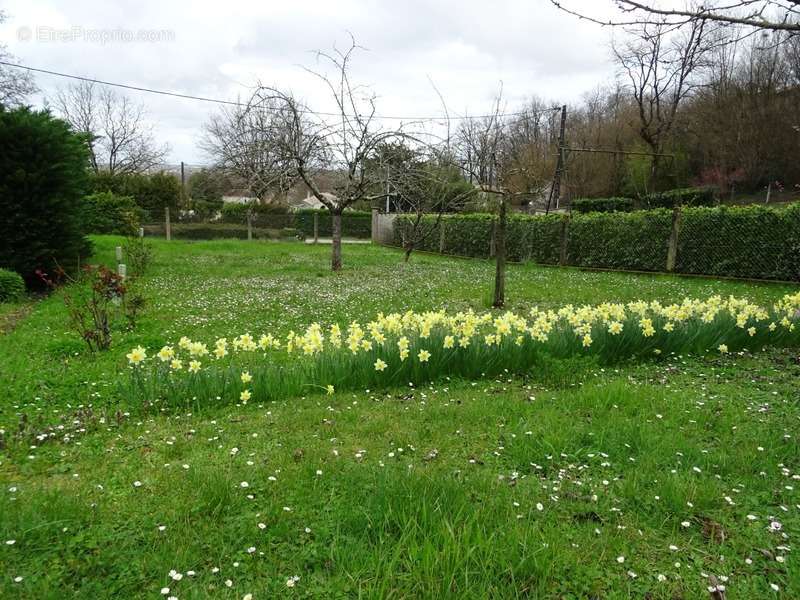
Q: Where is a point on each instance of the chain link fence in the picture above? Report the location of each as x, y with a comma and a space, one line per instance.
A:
752, 242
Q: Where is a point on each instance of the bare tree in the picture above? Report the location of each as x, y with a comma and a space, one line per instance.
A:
120, 140
423, 182
244, 143
661, 71
315, 146
15, 84
530, 144
759, 15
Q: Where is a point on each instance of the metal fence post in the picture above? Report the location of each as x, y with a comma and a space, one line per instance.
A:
168, 226
249, 226
441, 235
316, 227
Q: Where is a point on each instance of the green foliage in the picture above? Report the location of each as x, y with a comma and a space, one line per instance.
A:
274, 216
632, 241
699, 196
765, 242
753, 242
201, 210
12, 287
587, 205
138, 255
636, 180
105, 212
93, 303
355, 224
42, 180
151, 192
207, 185
217, 231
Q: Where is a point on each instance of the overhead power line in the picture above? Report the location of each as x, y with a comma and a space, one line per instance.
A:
137, 88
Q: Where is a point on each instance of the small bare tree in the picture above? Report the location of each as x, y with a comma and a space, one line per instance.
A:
314, 145
244, 140
482, 144
423, 182
121, 142
15, 84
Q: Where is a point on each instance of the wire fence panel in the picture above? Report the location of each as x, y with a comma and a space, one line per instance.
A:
753, 242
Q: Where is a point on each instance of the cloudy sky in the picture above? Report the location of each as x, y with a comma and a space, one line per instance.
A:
220, 49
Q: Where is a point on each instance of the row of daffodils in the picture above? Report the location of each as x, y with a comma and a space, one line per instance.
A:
412, 347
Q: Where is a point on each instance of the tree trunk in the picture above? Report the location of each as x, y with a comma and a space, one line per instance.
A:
336, 241
409, 248
500, 254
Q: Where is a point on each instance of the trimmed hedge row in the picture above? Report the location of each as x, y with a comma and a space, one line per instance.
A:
215, 231
698, 196
357, 224
587, 205
749, 242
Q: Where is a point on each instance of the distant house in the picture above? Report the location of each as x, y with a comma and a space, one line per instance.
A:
311, 201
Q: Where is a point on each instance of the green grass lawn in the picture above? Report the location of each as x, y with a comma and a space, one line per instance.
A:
578, 482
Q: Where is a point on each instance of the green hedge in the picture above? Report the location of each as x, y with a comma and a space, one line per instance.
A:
106, 212
748, 242
761, 242
635, 241
12, 286
263, 215
214, 231
697, 196
587, 205
355, 224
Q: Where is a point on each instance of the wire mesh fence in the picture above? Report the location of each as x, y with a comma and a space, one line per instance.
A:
260, 225
753, 242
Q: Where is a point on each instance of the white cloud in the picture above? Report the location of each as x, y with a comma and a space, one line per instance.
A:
217, 49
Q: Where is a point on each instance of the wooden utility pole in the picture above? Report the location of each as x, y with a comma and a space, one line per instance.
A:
555, 189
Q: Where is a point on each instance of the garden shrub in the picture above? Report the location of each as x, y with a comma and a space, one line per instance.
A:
152, 192
42, 181
234, 213
698, 196
105, 212
12, 286
201, 211
587, 205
